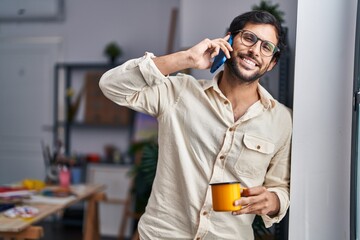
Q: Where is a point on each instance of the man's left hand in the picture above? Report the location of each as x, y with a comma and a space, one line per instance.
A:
258, 200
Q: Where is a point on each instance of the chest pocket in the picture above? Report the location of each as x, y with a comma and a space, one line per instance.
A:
255, 157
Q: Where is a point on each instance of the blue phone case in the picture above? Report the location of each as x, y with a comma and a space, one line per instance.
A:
220, 58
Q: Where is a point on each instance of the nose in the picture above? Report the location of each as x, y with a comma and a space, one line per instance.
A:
256, 48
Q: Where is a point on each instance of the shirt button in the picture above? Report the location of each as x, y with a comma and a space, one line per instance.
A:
198, 238
222, 157
205, 213
226, 102
258, 147
231, 129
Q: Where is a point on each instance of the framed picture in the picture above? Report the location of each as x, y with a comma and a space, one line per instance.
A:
31, 10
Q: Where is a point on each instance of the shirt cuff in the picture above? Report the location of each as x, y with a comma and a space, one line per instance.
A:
284, 205
150, 72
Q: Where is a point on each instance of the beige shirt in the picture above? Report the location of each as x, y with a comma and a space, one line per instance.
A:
200, 144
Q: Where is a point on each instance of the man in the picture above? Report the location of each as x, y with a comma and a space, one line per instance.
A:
227, 129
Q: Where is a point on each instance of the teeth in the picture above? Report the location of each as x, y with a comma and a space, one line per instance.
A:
249, 62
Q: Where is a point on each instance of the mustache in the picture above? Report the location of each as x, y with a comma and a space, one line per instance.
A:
249, 55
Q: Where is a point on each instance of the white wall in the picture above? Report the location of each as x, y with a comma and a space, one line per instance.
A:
320, 186
137, 25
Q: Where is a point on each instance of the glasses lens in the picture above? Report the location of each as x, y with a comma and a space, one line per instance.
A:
267, 48
248, 39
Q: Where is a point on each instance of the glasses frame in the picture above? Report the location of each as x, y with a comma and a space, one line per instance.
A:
276, 49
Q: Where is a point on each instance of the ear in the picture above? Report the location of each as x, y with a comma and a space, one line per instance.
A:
272, 64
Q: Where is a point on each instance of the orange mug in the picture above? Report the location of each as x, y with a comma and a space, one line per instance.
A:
224, 194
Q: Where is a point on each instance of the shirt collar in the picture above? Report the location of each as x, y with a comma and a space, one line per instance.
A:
265, 97
213, 83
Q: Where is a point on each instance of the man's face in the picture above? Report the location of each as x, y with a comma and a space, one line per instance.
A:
248, 63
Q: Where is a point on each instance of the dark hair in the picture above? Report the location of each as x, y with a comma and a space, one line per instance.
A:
259, 17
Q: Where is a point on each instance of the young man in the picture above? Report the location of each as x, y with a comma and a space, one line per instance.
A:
226, 129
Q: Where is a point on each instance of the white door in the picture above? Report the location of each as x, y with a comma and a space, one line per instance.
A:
26, 105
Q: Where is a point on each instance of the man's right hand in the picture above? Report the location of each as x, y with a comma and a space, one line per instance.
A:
202, 53
197, 57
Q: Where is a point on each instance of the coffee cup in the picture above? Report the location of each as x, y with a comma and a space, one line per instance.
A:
224, 194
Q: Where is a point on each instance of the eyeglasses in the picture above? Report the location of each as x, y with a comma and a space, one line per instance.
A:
249, 39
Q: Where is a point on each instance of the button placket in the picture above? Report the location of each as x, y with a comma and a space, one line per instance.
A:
227, 145
204, 216
204, 223
227, 108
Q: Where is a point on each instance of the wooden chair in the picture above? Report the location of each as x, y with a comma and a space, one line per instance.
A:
115, 196
128, 213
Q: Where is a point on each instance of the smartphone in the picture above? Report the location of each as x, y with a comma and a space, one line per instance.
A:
220, 58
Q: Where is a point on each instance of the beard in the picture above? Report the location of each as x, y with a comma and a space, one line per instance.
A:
239, 73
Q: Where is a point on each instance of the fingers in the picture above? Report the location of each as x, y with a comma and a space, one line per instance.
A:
257, 200
254, 205
201, 54
220, 43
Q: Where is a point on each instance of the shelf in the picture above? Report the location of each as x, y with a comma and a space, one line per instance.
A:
86, 66
99, 113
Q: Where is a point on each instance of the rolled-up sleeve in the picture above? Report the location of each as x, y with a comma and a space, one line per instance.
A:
128, 83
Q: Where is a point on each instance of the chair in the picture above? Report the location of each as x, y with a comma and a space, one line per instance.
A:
116, 199
128, 213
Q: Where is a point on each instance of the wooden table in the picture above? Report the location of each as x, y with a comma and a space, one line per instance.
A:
20, 228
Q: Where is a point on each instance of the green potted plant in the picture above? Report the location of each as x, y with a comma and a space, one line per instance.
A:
143, 173
113, 51
267, 6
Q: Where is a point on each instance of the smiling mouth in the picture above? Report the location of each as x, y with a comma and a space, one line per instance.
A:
249, 61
